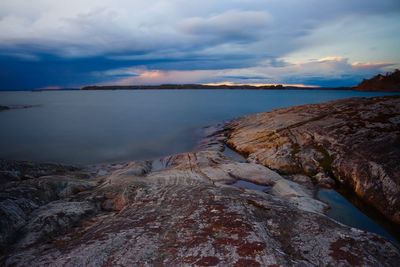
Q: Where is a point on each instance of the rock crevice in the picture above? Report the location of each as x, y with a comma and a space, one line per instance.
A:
355, 141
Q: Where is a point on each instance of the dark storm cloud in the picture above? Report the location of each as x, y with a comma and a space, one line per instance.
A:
69, 44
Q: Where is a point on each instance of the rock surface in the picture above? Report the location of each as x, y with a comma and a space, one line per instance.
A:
355, 142
180, 210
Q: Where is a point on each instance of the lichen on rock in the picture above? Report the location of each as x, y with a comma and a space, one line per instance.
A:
182, 210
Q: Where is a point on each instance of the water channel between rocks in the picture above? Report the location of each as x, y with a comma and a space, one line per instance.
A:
341, 209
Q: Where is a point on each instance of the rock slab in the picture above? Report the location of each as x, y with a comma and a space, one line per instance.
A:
180, 210
355, 142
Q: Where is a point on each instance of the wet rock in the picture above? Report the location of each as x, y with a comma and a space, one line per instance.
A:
355, 141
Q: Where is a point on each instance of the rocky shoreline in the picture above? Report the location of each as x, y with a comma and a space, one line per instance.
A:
4, 108
354, 142
389, 82
184, 210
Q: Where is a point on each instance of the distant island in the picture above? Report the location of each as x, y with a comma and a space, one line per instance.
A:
178, 86
390, 82
4, 108
206, 86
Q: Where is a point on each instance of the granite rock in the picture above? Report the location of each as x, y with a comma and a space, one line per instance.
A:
355, 142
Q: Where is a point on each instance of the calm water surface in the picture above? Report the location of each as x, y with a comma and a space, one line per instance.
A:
345, 212
85, 127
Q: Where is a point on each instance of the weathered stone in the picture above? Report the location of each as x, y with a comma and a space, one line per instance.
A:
20, 197
177, 211
355, 141
186, 215
53, 219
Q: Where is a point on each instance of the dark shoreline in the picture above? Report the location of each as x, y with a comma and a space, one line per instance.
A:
10, 107
208, 87
212, 88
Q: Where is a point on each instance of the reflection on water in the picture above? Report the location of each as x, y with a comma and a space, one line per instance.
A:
228, 152
340, 210
99, 126
345, 212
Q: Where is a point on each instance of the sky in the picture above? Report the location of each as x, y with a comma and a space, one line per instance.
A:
74, 43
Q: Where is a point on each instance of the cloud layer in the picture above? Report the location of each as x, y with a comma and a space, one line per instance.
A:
83, 42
